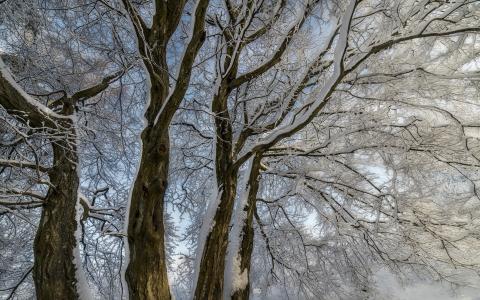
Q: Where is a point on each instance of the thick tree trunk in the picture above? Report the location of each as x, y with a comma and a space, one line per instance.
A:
212, 264
55, 242
146, 273
247, 233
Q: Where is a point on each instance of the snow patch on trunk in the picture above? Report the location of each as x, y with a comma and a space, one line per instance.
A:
239, 278
234, 278
208, 220
207, 226
83, 289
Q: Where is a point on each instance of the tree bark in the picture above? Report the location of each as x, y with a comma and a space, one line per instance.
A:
55, 241
212, 264
146, 273
247, 233
54, 270
211, 271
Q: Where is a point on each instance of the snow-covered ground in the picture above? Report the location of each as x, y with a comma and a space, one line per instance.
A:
389, 288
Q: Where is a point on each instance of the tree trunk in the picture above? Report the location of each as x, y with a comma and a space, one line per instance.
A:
247, 233
55, 242
211, 270
146, 273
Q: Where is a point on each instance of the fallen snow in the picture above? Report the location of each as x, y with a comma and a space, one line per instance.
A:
388, 287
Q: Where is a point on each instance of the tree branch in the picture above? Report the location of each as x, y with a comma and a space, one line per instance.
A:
278, 53
23, 164
197, 38
18, 103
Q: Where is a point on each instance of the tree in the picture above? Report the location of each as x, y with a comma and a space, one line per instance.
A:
146, 273
304, 143
267, 121
43, 125
55, 239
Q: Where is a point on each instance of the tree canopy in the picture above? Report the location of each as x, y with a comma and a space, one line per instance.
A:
237, 149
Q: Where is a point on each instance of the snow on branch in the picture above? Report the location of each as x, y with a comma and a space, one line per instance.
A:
16, 101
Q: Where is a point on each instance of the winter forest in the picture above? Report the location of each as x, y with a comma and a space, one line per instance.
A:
240, 149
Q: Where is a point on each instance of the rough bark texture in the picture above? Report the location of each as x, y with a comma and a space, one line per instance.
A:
211, 274
247, 234
146, 274
210, 277
55, 242
212, 265
211, 271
